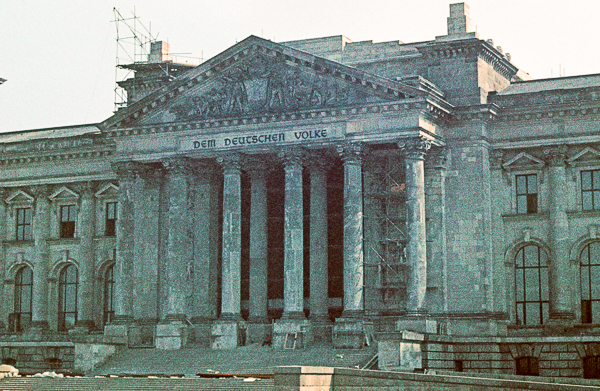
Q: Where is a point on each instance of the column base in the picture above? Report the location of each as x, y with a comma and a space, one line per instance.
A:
259, 331
225, 333
171, 334
292, 333
417, 321
84, 326
560, 322
352, 333
322, 329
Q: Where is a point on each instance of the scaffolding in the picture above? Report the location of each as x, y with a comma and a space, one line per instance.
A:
386, 239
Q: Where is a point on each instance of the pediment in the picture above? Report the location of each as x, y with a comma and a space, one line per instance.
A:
108, 191
258, 77
63, 193
523, 160
19, 197
585, 156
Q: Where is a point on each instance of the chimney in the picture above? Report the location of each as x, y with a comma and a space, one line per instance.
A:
159, 52
459, 22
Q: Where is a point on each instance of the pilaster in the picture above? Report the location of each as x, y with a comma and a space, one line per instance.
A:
85, 302
41, 234
560, 276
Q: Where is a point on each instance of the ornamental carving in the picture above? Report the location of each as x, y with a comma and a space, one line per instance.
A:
265, 85
292, 157
556, 156
230, 162
414, 148
351, 153
178, 166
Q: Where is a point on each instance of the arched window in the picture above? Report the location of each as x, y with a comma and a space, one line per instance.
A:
23, 296
531, 282
67, 298
109, 290
590, 283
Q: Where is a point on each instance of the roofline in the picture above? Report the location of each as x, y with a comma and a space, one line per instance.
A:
555, 78
51, 128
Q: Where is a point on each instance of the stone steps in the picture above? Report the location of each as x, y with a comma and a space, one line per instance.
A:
134, 384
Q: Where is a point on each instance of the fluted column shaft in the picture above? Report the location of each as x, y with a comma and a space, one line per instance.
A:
319, 280
86, 269
416, 248
41, 234
123, 270
560, 269
232, 237
179, 249
353, 230
258, 245
293, 280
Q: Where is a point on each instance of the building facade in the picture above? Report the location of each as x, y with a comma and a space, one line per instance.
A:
322, 190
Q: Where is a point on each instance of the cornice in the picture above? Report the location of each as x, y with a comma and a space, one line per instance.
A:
28, 157
549, 112
437, 109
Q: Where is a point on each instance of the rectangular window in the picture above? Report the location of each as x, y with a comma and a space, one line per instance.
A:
111, 219
590, 190
24, 224
527, 194
67, 221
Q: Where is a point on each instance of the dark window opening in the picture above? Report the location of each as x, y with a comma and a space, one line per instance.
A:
9, 361
591, 367
109, 289
527, 197
67, 298
528, 366
110, 225
21, 317
590, 283
590, 190
458, 366
54, 363
24, 224
67, 221
531, 283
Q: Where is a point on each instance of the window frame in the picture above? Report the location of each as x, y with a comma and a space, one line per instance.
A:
587, 304
521, 305
19, 286
531, 199
25, 235
67, 227
110, 224
594, 190
108, 309
63, 303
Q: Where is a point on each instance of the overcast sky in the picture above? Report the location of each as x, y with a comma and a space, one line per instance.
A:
59, 56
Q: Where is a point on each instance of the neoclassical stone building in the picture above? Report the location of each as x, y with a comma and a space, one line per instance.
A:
324, 190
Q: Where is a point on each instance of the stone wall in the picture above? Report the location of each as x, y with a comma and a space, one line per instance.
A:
39, 356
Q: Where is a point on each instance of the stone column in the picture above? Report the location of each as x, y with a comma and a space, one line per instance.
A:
123, 269
416, 249
293, 280
41, 234
560, 276
319, 277
4, 303
86, 230
353, 231
258, 244
225, 330
171, 333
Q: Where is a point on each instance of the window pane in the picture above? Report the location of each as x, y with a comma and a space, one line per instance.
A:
544, 284
595, 282
69, 320
586, 200
519, 258
531, 256
586, 180
543, 257
532, 203
520, 319
545, 312
532, 285
522, 204
531, 184
595, 311
596, 200
521, 184
27, 276
596, 179
585, 281
26, 299
594, 253
519, 285
533, 313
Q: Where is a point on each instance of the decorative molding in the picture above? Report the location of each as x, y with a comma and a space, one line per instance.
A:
63, 193
109, 190
584, 157
556, 156
529, 161
351, 152
414, 148
19, 197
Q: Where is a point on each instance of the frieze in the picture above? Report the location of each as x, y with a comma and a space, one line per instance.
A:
47, 145
266, 85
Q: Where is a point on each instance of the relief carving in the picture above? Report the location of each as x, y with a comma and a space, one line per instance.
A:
264, 85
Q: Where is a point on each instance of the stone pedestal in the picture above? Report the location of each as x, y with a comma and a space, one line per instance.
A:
416, 323
401, 351
291, 334
352, 333
171, 336
225, 334
117, 332
257, 332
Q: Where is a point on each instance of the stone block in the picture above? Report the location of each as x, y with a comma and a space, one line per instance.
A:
257, 332
291, 333
224, 334
171, 336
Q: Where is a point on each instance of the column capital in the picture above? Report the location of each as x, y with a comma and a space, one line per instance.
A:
556, 156
40, 191
152, 175
178, 166
319, 163
350, 152
230, 162
258, 166
438, 158
86, 188
497, 158
414, 148
292, 157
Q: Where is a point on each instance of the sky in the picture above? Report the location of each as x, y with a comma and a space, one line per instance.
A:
59, 57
